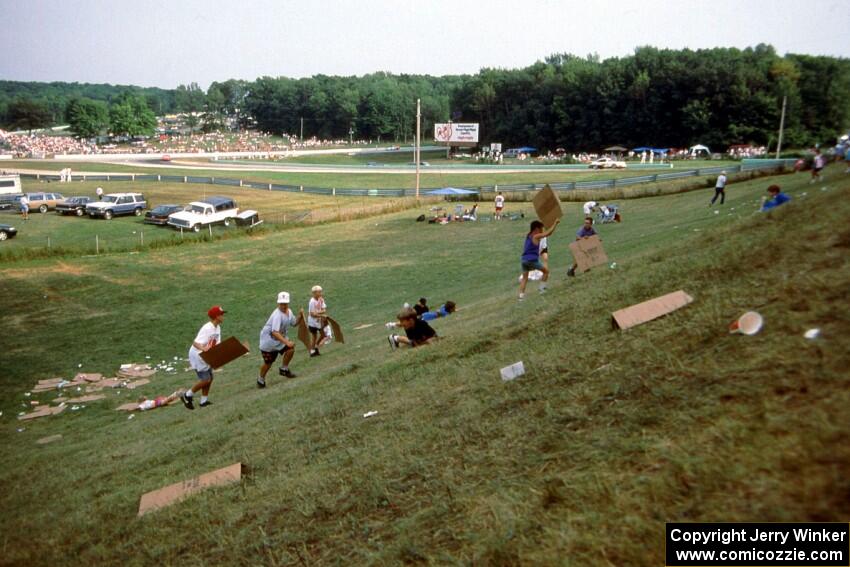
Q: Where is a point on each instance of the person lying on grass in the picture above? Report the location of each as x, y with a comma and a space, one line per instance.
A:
159, 401
417, 331
444, 310
777, 198
531, 255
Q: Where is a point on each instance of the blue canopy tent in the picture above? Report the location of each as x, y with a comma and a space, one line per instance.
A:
452, 191
653, 150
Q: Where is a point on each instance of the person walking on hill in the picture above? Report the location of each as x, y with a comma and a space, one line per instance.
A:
208, 336
274, 342
500, 204
817, 166
316, 320
530, 259
586, 231
719, 188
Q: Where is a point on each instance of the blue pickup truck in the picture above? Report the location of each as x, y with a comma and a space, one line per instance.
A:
115, 204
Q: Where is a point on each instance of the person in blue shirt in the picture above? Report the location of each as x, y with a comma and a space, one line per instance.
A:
586, 231
445, 310
531, 255
777, 197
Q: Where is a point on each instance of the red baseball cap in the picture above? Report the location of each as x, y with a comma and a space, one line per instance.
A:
215, 311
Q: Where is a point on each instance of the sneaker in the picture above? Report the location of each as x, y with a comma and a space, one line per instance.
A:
314, 352
261, 383
205, 404
287, 373
521, 296
541, 290
571, 273
393, 342
187, 401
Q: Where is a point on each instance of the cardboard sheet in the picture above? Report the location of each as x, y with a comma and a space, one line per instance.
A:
649, 310
303, 331
225, 352
85, 399
338, 337
588, 252
363, 326
50, 382
135, 384
49, 439
43, 411
83, 377
547, 206
174, 493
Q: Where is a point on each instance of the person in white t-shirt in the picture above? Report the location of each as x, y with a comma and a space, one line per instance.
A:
274, 342
588, 207
25, 207
208, 336
500, 204
316, 321
99, 193
719, 189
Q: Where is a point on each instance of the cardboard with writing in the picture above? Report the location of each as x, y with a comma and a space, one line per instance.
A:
588, 252
175, 492
547, 206
649, 310
227, 351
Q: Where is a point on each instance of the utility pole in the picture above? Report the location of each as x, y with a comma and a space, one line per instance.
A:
781, 127
449, 143
417, 145
301, 138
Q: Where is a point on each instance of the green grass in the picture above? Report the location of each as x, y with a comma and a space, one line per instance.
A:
581, 461
76, 235
365, 180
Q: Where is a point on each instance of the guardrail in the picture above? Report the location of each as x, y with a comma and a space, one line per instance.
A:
745, 165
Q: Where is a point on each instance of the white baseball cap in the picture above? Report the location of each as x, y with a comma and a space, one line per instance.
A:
316, 288
283, 297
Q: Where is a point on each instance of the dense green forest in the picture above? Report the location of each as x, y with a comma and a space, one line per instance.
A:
655, 96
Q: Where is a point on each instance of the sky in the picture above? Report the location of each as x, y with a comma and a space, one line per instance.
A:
168, 43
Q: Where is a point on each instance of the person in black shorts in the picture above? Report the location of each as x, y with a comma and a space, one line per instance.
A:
421, 307
417, 331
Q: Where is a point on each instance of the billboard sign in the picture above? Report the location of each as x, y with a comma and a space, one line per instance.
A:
456, 133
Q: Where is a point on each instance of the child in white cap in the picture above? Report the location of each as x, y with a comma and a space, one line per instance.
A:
316, 321
273, 339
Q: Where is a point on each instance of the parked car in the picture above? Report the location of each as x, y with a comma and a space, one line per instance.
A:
202, 213
73, 205
117, 204
607, 163
7, 231
159, 214
41, 202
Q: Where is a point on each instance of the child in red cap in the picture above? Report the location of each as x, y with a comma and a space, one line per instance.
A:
208, 337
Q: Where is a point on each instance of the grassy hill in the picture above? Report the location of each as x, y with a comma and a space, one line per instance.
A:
580, 461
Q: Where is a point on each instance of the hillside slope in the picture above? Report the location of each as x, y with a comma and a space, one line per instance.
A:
581, 461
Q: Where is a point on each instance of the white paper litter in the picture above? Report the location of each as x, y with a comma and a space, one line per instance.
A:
812, 333
513, 371
370, 413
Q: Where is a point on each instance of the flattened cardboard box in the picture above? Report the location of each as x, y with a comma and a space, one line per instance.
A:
547, 206
336, 329
303, 332
588, 252
649, 310
174, 493
228, 351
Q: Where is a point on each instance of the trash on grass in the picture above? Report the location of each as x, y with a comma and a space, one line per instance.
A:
749, 323
370, 413
812, 333
513, 371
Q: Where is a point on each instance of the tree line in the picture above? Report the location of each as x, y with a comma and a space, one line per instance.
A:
658, 97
